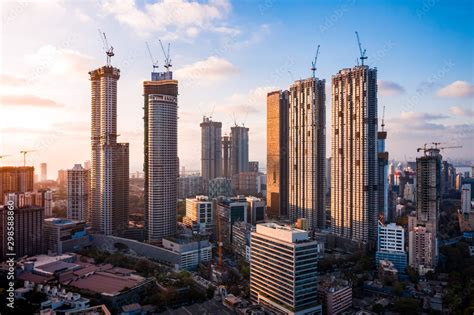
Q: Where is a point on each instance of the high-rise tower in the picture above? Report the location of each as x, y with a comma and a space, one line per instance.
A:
382, 185
161, 151
109, 160
239, 152
354, 178
211, 156
277, 154
226, 147
307, 152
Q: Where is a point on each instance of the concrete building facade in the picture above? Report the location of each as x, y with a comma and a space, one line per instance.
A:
307, 152
161, 151
77, 193
283, 269
211, 155
354, 178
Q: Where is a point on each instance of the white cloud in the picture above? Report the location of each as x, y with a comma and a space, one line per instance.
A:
252, 102
56, 60
459, 111
389, 88
211, 69
457, 89
170, 17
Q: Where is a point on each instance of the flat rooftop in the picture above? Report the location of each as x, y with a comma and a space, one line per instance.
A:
106, 283
286, 233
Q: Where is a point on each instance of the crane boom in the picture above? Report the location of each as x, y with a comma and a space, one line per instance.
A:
362, 52
153, 62
313, 68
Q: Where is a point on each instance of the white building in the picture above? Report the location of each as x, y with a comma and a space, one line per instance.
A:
77, 193
191, 251
466, 198
391, 238
283, 269
256, 210
199, 214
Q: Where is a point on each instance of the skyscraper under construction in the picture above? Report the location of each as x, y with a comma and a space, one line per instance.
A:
108, 213
354, 178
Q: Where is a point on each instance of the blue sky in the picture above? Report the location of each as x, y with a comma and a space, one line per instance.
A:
227, 55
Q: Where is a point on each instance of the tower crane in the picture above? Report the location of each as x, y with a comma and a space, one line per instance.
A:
153, 61
362, 52
109, 50
167, 57
435, 148
24, 152
313, 64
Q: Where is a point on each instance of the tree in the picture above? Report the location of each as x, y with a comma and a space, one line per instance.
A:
407, 306
377, 308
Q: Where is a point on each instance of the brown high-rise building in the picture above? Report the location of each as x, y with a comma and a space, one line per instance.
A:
16, 180
161, 151
226, 148
277, 154
28, 231
109, 172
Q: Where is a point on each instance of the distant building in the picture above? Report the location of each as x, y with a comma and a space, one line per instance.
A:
199, 214
226, 152
42, 198
192, 251
62, 178
255, 210
387, 270
466, 205
262, 185
409, 192
241, 239
307, 152
354, 165
391, 246
239, 151
16, 179
189, 186
220, 187
230, 211
277, 154
382, 173
245, 183
44, 172
421, 249
335, 295
28, 230
211, 155
62, 235
77, 193
253, 166
284, 283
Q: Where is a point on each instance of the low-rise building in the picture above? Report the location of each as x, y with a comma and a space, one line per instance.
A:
335, 295
191, 250
391, 246
241, 232
255, 210
199, 214
230, 211
63, 235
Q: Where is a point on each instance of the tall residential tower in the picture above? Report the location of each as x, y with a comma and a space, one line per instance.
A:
161, 151
77, 193
211, 156
109, 159
354, 178
307, 152
239, 151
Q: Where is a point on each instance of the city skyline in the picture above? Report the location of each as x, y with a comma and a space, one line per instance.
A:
435, 99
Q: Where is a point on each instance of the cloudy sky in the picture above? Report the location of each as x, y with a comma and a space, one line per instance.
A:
227, 56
